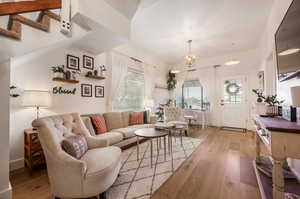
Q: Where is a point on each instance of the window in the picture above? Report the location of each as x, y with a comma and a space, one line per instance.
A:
192, 94
132, 93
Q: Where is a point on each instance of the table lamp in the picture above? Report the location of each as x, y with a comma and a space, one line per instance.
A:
295, 93
37, 99
149, 104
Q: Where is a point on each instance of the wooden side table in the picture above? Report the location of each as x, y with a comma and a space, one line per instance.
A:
33, 152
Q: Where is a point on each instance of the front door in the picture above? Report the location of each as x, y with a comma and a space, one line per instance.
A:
233, 102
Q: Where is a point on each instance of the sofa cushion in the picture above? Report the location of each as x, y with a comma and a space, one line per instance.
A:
88, 124
100, 160
127, 132
113, 120
76, 146
99, 124
111, 137
126, 118
136, 118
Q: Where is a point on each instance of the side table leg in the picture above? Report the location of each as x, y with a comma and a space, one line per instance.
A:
257, 141
165, 148
181, 132
157, 145
137, 147
278, 179
151, 151
171, 147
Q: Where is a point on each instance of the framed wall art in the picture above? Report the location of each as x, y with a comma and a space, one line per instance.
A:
88, 62
73, 62
99, 91
86, 90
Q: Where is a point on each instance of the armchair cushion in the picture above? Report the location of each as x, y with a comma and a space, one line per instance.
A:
76, 146
101, 160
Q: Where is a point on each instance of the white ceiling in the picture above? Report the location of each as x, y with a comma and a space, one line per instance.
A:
162, 27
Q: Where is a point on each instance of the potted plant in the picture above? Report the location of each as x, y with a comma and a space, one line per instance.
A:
58, 71
75, 74
171, 82
102, 69
270, 101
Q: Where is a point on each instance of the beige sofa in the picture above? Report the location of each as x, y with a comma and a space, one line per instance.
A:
120, 133
89, 176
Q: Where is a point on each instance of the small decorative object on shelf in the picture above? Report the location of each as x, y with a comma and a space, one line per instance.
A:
68, 75
102, 69
94, 75
33, 152
75, 75
58, 71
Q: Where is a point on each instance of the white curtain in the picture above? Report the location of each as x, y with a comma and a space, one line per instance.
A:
149, 82
119, 67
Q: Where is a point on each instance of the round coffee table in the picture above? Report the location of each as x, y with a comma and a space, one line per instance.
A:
151, 133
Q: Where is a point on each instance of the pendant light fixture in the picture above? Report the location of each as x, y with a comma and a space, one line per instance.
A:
190, 59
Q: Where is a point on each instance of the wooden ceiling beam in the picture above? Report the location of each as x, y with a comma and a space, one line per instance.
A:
11, 8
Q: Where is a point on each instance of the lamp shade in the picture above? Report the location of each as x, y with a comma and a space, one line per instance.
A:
295, 93
36, 98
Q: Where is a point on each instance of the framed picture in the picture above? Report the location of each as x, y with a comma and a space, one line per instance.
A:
73, 62
99, 91
86, 90
88, 62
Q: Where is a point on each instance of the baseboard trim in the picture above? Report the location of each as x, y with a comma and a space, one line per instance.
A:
16, 164
6, 193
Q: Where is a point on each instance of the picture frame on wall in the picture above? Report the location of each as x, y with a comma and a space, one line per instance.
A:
99, 91
88, 62
73, 62
86, 90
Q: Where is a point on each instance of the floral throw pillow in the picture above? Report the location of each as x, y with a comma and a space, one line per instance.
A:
76, 146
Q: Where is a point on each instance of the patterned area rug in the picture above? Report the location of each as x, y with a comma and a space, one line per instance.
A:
138, 180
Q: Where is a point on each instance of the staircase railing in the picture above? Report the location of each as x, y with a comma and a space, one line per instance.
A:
13, 9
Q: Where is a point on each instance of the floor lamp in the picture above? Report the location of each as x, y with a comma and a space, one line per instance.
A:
36, 99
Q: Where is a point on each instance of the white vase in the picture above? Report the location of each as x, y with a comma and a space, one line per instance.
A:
58, 75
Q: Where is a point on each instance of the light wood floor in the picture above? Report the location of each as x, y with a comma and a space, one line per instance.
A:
220, 168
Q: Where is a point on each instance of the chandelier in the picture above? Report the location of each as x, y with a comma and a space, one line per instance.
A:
189, 58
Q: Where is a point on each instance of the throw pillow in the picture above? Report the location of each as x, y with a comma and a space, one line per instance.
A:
99, 124
137, 118
75, 146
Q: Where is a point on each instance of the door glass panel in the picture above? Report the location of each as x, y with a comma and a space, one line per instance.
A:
233, 91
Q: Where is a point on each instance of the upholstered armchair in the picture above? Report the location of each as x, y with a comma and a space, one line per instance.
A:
174, 115
69, 177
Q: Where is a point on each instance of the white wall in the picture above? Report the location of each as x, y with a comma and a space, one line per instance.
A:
5, 188
33, 72
210, 78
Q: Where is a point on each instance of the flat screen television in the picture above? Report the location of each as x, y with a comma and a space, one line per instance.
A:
287, 40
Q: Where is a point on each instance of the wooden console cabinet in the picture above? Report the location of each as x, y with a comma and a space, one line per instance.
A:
33, 152
282, 140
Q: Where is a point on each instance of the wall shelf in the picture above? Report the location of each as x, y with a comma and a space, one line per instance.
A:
95, 77
58, 79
